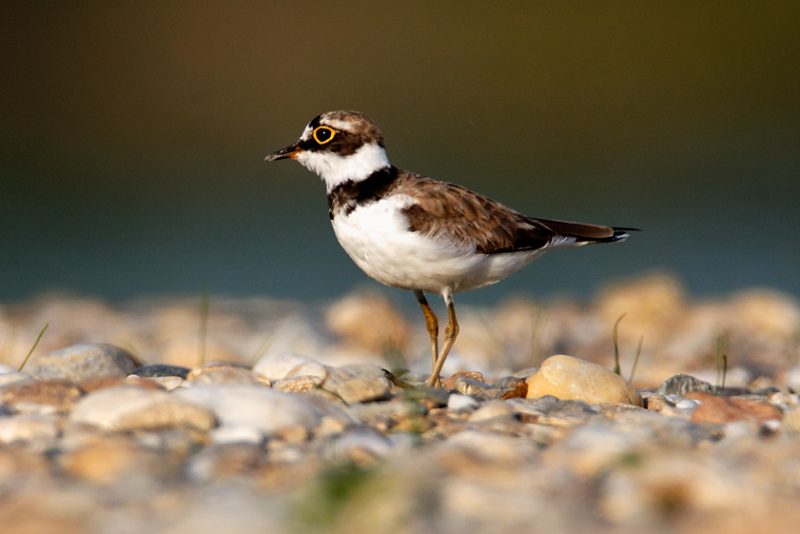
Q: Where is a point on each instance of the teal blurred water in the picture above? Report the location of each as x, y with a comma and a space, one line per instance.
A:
133, 134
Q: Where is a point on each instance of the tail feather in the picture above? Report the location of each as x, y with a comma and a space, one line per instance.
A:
583, 233
620, 234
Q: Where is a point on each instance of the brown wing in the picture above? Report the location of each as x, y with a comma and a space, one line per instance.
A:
447, 210
463, 216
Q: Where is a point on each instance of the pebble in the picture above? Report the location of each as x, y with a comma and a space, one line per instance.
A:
253, 406
281, 365
158, 370
458, 402
715, 409
85, 360
40, 395
222, 374
34, 428
353, 448
492, 410
13, 377
680, 385
569, 378
358, 383
127, 407
361, 446
109, 460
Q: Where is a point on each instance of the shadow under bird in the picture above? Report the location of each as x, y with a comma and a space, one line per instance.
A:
413, 232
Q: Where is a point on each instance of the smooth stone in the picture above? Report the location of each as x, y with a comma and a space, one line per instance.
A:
28, 428
55, 394
511, 387
456, 380
687, 404
225, 460
569, 378
255, 407
495, 409
358, 383
131, 408
298, 384
791, 421
680, 385
792, 378
715, 409
360, 446
157, 370
277, 366
479, 446
221, 374
167, 382
457, 402
109, 460
85, 360
14, 377
236, 434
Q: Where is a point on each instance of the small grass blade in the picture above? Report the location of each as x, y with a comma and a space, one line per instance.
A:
636, 359
35, 344
615, 339
721, 357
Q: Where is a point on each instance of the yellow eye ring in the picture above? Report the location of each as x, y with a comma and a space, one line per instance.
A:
323, 134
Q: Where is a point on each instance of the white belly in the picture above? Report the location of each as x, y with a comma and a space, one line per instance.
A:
377, 238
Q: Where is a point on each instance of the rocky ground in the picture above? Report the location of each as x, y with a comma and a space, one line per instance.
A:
242, 415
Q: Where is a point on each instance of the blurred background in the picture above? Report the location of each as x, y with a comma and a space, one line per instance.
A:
133, 133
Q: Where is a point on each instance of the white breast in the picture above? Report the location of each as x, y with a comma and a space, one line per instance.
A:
377, 238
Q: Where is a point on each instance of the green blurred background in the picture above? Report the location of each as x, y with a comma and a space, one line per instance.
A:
133, 135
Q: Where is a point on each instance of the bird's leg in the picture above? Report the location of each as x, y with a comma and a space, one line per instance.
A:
431, 322
450, 334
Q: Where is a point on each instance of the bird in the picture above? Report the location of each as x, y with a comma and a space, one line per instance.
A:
413, 232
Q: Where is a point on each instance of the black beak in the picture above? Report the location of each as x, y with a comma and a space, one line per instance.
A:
285, 153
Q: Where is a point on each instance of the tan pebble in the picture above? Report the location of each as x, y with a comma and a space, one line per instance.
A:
298, 384
657, 403
791, 421
28, 428
715, 409
58, 393
100, 382
167, 382
221, 374
492, 410
106, 461
130, 408
369, 321
293, 434
569, 378
452, 381
517, 389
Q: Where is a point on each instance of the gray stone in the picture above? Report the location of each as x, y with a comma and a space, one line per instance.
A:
682, 384
41, 429
278, 366
458, 402
360, 446
155, 370
132, 408
221, 374
86, 360
358, 383
254, 407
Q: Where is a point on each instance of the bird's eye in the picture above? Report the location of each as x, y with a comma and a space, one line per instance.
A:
323, 134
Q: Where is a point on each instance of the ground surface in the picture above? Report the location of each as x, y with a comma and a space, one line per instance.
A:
241, 415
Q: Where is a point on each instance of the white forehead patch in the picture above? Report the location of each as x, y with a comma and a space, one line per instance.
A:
306, 135
338, 124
